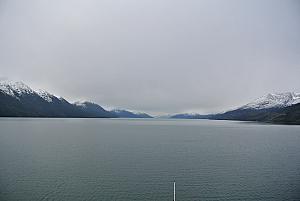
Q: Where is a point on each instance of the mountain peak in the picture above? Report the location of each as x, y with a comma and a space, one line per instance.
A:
15, 88
18, 99
274, 100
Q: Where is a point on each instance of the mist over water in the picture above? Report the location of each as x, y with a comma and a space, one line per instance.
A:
121, 159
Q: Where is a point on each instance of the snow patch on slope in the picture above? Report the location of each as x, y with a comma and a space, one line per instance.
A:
119, 111
80, 103
45, 95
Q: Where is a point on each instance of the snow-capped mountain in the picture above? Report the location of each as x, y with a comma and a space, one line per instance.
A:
18, 99
275, 100
14, 89
17, 89
274, 108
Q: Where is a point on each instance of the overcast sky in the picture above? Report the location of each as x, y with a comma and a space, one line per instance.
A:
157, 56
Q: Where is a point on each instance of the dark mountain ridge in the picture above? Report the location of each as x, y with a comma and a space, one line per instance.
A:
19, 100
281, 108
129, 114
284, 115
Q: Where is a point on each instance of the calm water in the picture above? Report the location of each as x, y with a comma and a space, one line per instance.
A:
120, 159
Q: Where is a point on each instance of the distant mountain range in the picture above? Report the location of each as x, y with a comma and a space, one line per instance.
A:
273, 108
19, 100
190, 116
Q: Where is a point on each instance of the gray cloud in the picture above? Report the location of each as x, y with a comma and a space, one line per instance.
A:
163, 56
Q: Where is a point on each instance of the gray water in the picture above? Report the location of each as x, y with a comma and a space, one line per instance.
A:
122, 159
